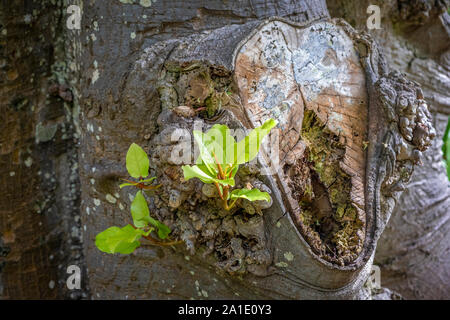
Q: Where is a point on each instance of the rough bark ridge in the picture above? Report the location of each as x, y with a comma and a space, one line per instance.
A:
274, 256
413, 252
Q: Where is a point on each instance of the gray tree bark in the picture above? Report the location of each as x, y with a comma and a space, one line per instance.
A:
154, 81
413, 252
128, 68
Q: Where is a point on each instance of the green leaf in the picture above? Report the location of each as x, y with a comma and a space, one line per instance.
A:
141, 216
250, 194
147, 180
446, 148
150, 230
216, 146
197, 172
137, 161
163, 230
248, 148
206, 158
139, 210
118, 240
136, 183
234, 170
128, 184
220, 143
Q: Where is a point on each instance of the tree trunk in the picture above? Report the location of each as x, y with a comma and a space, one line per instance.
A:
264, 257
413, 252
39, 207
348, 137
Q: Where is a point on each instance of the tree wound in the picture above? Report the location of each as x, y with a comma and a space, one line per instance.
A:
328, 219
311, 81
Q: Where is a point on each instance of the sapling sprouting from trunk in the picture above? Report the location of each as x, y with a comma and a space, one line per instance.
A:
220, 157
125, 240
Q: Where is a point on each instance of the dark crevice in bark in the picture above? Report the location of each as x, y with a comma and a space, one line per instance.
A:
328, 219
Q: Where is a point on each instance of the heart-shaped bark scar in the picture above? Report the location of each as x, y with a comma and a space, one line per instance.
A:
348, 136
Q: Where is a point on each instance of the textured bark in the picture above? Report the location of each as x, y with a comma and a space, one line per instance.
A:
414, 250
130, 67
130, 99
39, 206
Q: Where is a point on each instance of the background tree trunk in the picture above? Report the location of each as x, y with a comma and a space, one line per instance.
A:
39, 207
413, 252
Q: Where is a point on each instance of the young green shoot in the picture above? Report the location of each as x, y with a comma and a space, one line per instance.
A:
220, 157
126, 239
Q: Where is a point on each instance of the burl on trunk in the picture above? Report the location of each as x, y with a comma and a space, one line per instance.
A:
349, 134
